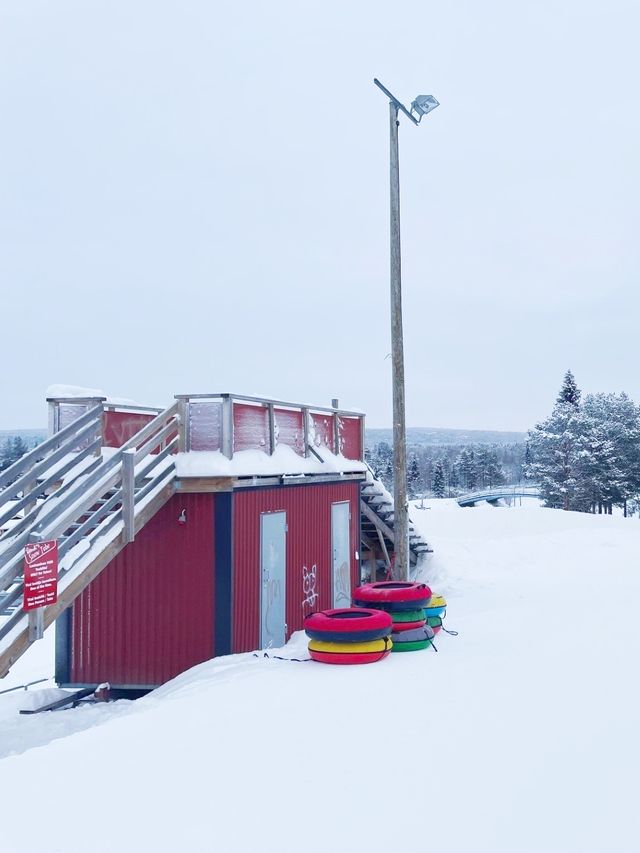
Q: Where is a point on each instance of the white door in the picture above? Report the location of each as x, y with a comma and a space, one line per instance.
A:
341, 553
273, 563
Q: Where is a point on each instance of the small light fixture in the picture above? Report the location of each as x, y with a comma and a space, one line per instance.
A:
182, 518
423, 104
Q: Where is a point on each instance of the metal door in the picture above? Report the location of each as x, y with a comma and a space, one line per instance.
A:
273, 562
341, 553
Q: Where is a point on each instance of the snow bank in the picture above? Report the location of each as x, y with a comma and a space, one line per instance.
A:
520, 734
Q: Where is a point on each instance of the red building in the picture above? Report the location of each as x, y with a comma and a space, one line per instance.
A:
261, 526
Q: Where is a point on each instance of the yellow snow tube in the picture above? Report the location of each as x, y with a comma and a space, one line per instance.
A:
350, 648
437, 601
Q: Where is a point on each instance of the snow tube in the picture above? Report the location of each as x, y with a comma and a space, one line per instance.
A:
363, 657
403, 627
434, 622
349, 648
436, 606
422, 633
348, 625
407, 616
411, 647
392, 595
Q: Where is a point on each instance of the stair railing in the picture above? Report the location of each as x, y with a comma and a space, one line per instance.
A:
94, 503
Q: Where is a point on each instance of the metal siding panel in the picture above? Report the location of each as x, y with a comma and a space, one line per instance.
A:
308, 509
250, 427
290, 429
205, 425
119, 427
350, 437
322, 426
246, 571
150, 614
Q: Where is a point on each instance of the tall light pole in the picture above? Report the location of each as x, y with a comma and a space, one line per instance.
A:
422, 105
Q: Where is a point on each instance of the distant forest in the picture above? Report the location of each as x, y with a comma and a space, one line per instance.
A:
449, 469
13, 445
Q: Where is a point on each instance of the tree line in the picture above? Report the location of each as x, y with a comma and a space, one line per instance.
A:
451, 470
13, 449
586, 454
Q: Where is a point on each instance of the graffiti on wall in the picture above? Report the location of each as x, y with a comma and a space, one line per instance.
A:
309, 577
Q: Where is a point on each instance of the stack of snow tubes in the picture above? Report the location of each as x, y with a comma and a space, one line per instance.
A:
404, 602
349, 635
434, 612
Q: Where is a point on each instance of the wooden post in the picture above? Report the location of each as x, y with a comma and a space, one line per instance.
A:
227, 426
183, 429
305, 430
128, 496
272, 429
400, 506
36, 624
336, 427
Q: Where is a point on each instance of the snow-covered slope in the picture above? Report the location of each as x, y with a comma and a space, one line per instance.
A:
519, 735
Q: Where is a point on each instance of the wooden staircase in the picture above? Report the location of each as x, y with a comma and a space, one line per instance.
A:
376, 511
92, 500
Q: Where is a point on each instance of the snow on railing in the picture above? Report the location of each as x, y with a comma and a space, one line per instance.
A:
495, 492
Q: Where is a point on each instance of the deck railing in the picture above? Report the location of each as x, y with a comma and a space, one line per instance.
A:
232, 422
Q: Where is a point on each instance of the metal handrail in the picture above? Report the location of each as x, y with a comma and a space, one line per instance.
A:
510, 491
266, 401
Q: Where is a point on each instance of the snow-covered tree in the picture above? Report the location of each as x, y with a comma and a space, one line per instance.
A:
14, 448
569, 393
413, 477
613, 421
558, 447
439, 485
586, 455
467, 468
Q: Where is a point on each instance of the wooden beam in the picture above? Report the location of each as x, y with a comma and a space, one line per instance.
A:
383, 545
376, 520
204, 484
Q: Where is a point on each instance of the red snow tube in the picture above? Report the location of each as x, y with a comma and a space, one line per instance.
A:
392, 595
341, 658
400, 627
348, 625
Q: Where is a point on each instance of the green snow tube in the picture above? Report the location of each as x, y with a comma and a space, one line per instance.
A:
408, 616
411, 647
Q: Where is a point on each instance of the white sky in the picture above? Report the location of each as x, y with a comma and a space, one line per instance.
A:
194, 198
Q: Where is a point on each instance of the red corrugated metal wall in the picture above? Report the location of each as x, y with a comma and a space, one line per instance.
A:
149, 615
308, 511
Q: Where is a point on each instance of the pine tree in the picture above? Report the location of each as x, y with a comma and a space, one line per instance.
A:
438, 480
413, 477
569, 393
14, 448
614, 445
558, 447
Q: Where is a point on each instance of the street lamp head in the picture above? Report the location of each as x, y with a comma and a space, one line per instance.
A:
423, 104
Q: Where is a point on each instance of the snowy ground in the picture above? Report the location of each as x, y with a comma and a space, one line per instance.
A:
521, 734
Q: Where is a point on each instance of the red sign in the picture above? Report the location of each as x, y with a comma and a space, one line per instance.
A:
40, 574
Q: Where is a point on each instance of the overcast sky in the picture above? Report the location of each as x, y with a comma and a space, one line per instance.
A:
194, 198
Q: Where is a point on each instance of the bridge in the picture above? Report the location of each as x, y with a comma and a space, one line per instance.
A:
493, 495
